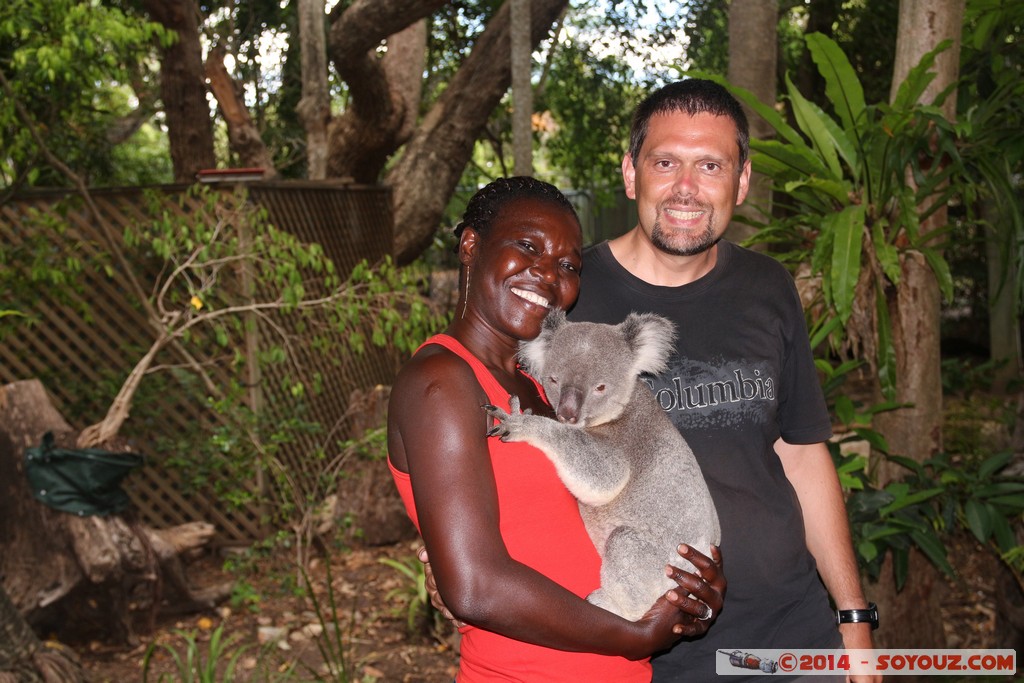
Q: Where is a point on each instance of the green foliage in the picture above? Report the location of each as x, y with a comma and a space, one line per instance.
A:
62, 60
991, 109
335, 651
30, 265
591, 109
841, 187
223, 278
216, 665
707, 32
413, 593
926, 506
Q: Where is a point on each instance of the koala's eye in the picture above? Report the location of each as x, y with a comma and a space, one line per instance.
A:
553, 380
599, 389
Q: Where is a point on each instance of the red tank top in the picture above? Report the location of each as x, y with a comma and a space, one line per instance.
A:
541, 527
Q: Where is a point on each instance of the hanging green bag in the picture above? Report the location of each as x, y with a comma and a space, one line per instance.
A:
82, 481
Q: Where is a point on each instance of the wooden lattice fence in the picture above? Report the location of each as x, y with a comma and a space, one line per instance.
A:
81, 341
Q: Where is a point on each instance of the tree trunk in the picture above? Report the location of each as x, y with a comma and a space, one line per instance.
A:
425, 176
916, 432
1003, 322
183, 89
78, 576
314, 109
753, 57
522, 88
25, 659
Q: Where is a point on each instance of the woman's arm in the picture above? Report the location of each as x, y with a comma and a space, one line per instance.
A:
437, 427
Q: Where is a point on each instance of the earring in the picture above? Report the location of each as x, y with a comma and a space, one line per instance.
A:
465, 304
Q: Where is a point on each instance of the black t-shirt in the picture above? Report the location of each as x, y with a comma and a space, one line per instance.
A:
743, 375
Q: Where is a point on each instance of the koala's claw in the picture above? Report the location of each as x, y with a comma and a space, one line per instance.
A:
505, 423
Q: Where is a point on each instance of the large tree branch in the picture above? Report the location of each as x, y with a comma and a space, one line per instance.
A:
433, 160
243, 135
371, 129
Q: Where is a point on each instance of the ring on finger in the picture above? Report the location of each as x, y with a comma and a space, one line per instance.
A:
708, 613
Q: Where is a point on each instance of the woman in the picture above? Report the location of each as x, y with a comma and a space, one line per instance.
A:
508, 549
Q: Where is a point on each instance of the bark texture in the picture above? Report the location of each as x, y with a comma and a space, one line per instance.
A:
914, 306
363, 138
753, 59
314, 109
243, 135
93, 577
183, 90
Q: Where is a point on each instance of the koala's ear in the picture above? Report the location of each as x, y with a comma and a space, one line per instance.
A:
533, 352
651, 338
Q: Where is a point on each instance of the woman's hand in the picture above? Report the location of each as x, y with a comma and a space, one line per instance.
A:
705, 590
697, 603
435, 596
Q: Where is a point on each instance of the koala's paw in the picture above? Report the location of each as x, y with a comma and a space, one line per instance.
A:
506, 425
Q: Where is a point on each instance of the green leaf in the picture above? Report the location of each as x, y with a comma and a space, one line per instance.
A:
1016, 501
933, 548
809, 119
900, 566
768, 113
842, 87
848, 228
886, 350
777, 159
903, 500
913, 86
876, 440
993, 464
867, 550
940, 267
979, 519
844, 410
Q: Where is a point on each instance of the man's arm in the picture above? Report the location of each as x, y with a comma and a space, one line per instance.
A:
810, 471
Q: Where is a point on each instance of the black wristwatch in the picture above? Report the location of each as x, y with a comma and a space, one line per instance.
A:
859, 616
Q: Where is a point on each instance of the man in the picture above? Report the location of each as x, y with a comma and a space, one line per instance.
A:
743, 388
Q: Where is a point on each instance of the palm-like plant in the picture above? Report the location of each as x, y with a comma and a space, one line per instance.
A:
852, 189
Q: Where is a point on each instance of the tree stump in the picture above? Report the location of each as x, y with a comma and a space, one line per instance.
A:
81, 578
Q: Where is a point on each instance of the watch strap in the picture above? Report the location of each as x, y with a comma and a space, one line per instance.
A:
859, 616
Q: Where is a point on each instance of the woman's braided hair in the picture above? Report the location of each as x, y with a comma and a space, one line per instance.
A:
488, 201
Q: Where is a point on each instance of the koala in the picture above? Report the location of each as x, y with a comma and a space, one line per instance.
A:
639, 487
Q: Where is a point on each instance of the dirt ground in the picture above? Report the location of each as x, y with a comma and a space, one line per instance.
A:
376, 638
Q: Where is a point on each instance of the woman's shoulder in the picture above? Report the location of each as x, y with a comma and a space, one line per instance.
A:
434, 368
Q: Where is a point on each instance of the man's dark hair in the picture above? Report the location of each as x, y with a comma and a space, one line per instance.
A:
489, 200
691, 96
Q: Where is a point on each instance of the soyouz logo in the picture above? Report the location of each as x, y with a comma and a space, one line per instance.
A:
895, 662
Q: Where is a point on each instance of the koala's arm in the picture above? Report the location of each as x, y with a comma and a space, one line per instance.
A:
590, 467
437, 430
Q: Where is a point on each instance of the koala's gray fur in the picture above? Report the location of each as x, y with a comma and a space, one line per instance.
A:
639, 487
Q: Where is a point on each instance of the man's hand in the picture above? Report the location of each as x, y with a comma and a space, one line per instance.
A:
858, 637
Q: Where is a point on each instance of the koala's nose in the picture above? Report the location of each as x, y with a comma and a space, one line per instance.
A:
569, 403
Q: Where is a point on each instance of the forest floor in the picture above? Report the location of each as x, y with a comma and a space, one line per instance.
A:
377, 641
277, 634
271, 633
